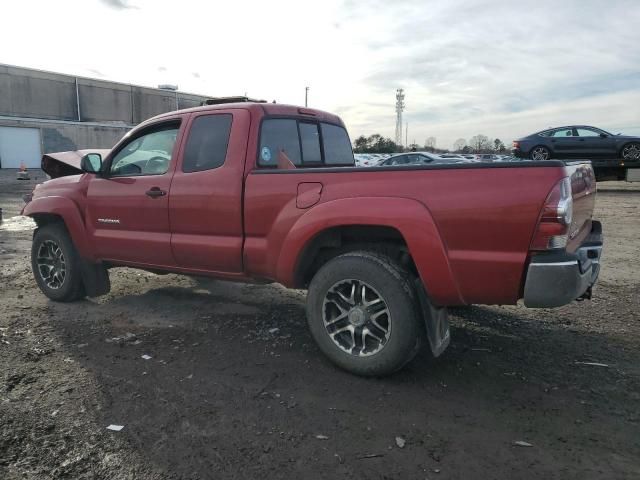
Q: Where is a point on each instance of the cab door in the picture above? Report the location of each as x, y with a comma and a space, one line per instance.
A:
128, 204
205, 202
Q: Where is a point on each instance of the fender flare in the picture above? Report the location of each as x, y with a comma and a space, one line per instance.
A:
410, 217
68, 211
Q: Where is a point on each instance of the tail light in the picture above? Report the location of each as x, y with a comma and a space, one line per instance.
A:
515, 144
555, 218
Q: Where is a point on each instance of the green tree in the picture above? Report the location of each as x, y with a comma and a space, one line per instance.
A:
360, 144
375, 143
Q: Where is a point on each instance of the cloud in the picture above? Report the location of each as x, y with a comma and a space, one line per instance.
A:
470, 63
118, 4
496, 67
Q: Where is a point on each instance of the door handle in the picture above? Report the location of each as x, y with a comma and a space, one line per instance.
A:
155, 192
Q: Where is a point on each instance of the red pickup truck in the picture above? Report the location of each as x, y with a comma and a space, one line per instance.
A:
259, 192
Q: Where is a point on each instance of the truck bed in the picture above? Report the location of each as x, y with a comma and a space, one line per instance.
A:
484, 214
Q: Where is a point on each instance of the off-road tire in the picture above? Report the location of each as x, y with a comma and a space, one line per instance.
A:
395, 286
71, 287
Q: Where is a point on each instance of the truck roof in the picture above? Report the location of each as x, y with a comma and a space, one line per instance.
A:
275, 109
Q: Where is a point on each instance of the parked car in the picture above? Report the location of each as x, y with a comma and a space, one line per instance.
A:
370, 159
380, 157
487, 157
365, 159
257, 192
505, 158
417, 158
577, 141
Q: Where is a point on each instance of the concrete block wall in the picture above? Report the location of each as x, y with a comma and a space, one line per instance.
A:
65, 136
35, 94
104, 101
31, 93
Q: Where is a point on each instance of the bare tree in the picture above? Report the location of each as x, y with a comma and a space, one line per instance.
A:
430, 144
480, 143
459, 144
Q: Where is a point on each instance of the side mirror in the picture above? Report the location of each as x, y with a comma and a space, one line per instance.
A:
603, 135
91, 163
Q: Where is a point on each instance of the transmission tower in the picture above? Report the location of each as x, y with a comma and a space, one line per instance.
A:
399, 110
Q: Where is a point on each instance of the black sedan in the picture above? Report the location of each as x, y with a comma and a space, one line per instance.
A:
577, 141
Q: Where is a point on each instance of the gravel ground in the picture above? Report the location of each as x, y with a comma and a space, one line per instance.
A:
235, 387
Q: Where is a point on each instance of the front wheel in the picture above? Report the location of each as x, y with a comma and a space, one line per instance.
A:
631, 152
56, 264
540, 153
363, 314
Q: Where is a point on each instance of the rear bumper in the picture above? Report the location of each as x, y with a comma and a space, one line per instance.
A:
555, 279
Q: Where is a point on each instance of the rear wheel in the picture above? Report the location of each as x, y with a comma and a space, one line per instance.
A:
55, 264
631, 152
363, 313
540, 153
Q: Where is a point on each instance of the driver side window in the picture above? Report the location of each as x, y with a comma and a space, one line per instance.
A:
147, 154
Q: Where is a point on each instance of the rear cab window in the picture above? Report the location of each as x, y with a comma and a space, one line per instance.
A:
304, 143
337, 146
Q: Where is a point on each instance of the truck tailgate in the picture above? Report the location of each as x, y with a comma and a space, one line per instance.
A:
583, 189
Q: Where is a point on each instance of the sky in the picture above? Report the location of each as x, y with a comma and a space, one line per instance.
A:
500, 68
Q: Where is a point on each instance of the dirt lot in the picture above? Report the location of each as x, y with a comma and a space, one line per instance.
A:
236, 388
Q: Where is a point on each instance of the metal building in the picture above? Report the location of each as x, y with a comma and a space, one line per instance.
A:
43, 112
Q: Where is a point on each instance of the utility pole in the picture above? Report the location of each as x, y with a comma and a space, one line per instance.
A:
406, 135
306, 96
399, 109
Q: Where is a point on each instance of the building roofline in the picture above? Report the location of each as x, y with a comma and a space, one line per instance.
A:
9, 118
102, 80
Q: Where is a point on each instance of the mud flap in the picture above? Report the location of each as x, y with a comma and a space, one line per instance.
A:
436, 322
95, 278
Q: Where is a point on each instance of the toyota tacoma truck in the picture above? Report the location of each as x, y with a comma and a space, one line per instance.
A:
257, 192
